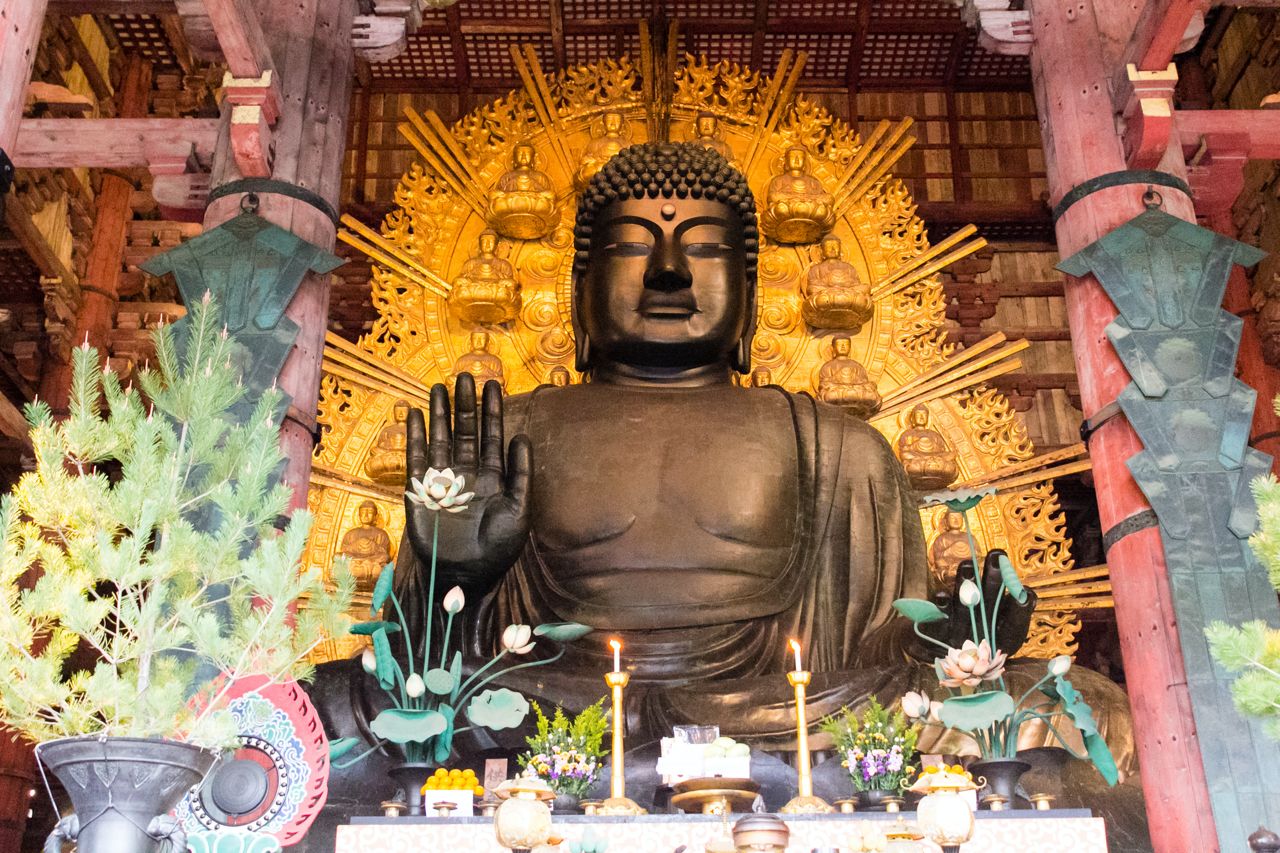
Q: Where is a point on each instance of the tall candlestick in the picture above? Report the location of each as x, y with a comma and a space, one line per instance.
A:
804, 802
618, 803
795, 647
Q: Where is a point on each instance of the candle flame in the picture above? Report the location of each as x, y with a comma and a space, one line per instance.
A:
616, 645
794, 644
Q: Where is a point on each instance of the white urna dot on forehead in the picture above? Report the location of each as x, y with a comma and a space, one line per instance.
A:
668, 211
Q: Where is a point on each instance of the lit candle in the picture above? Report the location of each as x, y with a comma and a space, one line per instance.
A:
795, 647
617, 655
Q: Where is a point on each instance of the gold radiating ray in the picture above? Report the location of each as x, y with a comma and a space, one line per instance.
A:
952, 363
941, 389
1068, 577
383, 251
347, 361
776, 102
544, 103
1037, 469
873, 160
1087, 588
331, 479
927, 263
436, 144
982, 362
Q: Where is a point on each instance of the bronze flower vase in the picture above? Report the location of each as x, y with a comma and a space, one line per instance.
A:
875, 800
122, 790
999, 777
411, 776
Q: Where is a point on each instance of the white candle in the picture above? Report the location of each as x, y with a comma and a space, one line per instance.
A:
617, 655
795, 647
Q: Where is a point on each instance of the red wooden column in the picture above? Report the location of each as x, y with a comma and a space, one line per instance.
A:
310, 46
1073, 97
98, 290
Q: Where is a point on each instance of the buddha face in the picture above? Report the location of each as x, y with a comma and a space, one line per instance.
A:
841, 347
400, 412
367, 513
665, 284
920, 417
479, 341
831, 248
706, 126
522, 157
488, 243
612, 124
797, 159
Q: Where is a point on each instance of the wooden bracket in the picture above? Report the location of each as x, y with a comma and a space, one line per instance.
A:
377, 38
255, 106
1001, 30
1146, 105
1215, 171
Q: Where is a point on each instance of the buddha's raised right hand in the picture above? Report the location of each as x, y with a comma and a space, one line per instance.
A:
479, 544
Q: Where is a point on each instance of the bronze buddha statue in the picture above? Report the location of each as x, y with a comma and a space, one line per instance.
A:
480, 364
706, 131
797, 208
929, 462
386, 463
486, 290
609, 135
950, 548
522, 205
701, 522
367, 546
843, 382
835, 296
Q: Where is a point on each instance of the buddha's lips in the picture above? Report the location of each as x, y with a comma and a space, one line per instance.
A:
676, 304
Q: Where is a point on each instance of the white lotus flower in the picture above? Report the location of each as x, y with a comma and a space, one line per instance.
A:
915, 705
454, 600
369, 661
517, 639
969, 594
414, 686
971, 664
440, 490
1059, 665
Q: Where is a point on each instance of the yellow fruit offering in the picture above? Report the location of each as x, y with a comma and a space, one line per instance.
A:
478, 790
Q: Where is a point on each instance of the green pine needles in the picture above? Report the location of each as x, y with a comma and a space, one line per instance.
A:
144, 543
1253, 649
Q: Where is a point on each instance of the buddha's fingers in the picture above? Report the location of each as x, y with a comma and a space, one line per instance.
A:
464, 423
440, 452
492, 441
416, 445
519, 466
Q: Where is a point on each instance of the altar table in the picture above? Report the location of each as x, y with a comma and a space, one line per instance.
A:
1021, 831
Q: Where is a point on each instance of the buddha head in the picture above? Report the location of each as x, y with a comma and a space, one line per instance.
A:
522, 156
841, 346
367, 513
951, 522
919, 417
612, 123
488, 242
560, 377
831, 248
705, 125
479, 341
797, 159
665, 272
761, 377
400, 411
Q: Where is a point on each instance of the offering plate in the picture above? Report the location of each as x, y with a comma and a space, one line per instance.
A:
715, 795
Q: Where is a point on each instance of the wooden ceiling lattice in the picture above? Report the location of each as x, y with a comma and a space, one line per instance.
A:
144, 34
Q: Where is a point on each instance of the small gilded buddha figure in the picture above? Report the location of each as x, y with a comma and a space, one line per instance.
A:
844, 383
609, 136
761, 377
930, 463
950, 548
522, 205
386, 461
367, 545
835, 296
486, 290
560, 377
706, 131
797, 209
480, 363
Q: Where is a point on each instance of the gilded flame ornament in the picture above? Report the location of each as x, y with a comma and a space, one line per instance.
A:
512, 166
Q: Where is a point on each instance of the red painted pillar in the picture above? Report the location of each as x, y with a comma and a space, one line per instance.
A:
1071, 80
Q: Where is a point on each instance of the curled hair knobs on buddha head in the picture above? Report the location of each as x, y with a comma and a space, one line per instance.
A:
669, 170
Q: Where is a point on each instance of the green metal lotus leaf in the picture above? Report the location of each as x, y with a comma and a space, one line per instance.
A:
918, 610
409, 725
958, 500
341, 746
1010, 580
977, 711
455, 669
444, 743
385, 662
232, 841
382, 589
498, 709
367, 628
562, 632
1081, 714
440, 681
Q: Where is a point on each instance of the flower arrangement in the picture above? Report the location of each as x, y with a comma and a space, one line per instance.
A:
428, 692
566, 753
978, 701
878, 748
147, 536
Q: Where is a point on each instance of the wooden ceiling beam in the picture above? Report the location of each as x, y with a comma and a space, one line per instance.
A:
557, 33
111, 7
1162, 25
111, 143
235, 23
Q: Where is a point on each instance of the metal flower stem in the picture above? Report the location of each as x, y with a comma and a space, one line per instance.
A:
408, 644
982, 604
431, 586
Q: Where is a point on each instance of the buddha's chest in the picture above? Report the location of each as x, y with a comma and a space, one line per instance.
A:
652, 474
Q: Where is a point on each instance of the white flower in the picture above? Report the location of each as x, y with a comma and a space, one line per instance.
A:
1059, 665
454, 600
971, 664
969, 594
369, 660
915, 705
414, 686
517, 639
439, 490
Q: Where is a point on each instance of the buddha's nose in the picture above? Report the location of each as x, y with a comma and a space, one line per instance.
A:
668, 267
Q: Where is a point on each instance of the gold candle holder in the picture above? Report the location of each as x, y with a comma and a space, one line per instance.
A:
804, 802
618, 803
